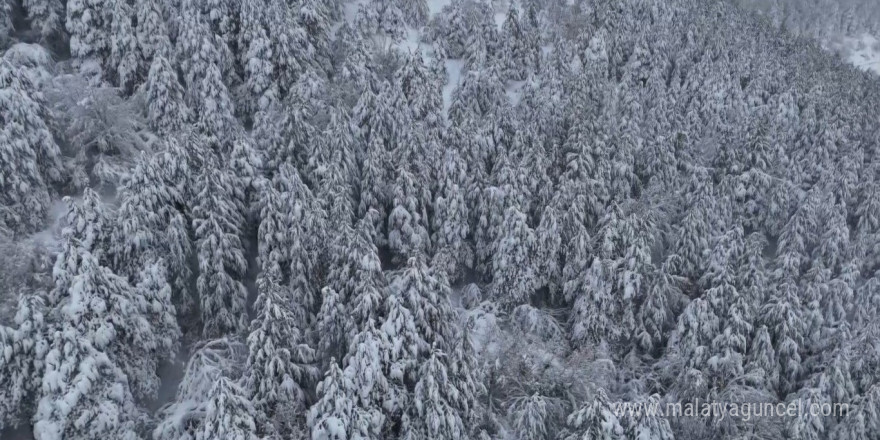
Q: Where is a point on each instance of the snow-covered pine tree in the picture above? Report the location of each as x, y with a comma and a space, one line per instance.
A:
350, 404
425, 293
467, 377
408, 220
645, 426
31, 157
383, 17
422, 91
761, 368
432, 412
292, 51
697, 227
352, 55
89, 26
314, 17
125, 66
47, 17
514, 277
697, 325
153, 295
256, 57
595, 419
656, 313
149, 227
451, 27
356, 275
167, 111
518, 52
481, 46
101, 342
21, 367
334, 172
533, 416
78, 372
479, 95
331, 417
783, 316
152, 33
861, 422
228, 413
450, 220
592, 318
406, 350
135, 326
217, 222
201, 61
210, 361
279, 366
331, 325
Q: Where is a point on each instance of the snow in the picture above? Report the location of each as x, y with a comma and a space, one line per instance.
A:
435, 6
863, 51
49, 237
866, 53
514, 91
350, 10
500, 17
412, 43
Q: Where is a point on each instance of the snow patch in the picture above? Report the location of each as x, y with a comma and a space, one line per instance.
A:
863, 52
50, 236
866, 54
514, 91
500, 17
413, 43
435, 6
350, 10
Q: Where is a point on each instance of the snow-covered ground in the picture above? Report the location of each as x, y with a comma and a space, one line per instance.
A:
862, 52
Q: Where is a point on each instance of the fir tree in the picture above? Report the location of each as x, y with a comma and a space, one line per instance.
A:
24, 348
279, 362
228, 413
167, 112
432, 413
46, 16
513, 266
31, 158
217, 221
595, 420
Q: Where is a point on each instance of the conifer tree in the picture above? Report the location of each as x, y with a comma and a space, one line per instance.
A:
31, 156
228, 413
356, 275
408, 220
152, 32
331, 416
432, 413
513, 266
450, 221
89, 26
217, 220
211, 362
46, 16
167, 112
125, 65
595, 420
24, 348
279, 366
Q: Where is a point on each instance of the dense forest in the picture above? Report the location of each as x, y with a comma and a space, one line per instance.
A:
428, 219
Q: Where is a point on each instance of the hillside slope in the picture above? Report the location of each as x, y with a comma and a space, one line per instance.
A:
402, 219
